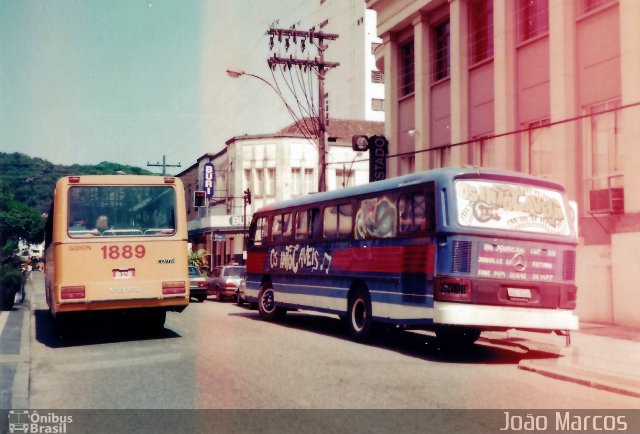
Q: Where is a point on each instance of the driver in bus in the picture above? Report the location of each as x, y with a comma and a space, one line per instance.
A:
102, 224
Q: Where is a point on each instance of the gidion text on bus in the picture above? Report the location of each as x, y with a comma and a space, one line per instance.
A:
454, 250
117, 242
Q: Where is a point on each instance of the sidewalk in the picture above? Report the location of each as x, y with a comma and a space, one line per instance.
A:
602, 356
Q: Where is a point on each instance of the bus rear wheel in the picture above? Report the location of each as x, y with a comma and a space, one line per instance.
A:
267, 307
358, 318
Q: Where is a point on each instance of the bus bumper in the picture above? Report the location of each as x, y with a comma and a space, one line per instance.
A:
505, 317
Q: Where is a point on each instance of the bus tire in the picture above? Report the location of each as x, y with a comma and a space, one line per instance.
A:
457, 337
266, 305
358, 319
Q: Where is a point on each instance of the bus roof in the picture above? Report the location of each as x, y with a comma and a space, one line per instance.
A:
444, 175
118, 180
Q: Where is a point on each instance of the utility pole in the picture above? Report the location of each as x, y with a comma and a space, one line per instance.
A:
164, 165
320, 66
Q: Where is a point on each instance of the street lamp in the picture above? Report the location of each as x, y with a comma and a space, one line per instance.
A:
234, 73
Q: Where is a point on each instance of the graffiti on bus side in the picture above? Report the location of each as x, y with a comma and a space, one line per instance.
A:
297, 258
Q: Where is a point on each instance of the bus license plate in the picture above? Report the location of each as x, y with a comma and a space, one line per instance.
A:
124, 274
519, 292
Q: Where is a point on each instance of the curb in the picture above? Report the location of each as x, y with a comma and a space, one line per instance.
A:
561, 368
584, 376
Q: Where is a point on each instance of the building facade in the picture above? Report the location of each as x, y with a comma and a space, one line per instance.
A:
543, 87
274, 167
355, 89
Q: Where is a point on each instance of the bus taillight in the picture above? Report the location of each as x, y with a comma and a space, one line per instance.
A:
169, 180
173, 288
452, 289
72, 292
74, 179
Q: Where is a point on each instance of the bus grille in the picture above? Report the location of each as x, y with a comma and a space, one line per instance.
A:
569, 265
461, 257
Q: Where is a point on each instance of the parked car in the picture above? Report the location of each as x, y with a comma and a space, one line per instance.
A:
226, 280
199, 284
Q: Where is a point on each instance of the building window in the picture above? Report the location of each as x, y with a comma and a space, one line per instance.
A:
407, 164
538, 148
480, 30
345, 178
587, 6
441, 45
270, 186
406, 72
445, 156
533, 19
259, 183
247, 179
309, 184
296, 181
483, 151
605, 150
377, 104
377, 77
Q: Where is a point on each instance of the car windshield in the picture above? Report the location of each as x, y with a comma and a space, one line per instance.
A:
194, 272
233, 272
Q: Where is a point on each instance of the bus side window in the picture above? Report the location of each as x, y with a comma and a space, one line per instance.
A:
257, 231
330, 222
315, 223
302, 224
405, 213
276, 228
345, 220
286, 226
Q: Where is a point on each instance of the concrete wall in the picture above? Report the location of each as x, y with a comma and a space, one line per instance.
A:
593, 278
625, 267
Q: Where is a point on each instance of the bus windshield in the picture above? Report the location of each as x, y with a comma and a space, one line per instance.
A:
487, 204
121, 211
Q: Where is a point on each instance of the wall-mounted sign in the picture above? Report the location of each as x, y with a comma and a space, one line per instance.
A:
378, 150
208, 179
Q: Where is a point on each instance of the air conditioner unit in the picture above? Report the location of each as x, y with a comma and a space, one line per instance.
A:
607, 200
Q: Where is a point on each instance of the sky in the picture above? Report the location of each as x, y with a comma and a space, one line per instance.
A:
130, 81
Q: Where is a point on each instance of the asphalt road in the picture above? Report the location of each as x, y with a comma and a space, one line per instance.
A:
221, 356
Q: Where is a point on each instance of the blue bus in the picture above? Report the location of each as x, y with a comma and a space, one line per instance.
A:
454, 250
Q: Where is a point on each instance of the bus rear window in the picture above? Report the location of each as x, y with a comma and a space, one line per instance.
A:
516, 207
121, 211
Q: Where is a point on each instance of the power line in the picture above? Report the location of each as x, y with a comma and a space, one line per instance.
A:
164, 165
317, 65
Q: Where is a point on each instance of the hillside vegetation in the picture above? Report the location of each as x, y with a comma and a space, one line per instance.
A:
31, 180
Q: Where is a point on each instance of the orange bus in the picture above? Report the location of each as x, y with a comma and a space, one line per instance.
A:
117, 242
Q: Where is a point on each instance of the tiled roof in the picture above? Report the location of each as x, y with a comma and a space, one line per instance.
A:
343, 129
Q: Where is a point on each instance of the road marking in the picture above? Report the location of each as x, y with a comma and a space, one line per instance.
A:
4, 316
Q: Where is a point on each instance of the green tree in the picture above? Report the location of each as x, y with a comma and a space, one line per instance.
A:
17, 221
197, 258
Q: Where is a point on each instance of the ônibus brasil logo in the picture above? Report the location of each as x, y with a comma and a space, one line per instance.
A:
26, 421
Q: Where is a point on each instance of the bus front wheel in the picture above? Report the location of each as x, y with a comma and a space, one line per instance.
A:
359, 315
267, 307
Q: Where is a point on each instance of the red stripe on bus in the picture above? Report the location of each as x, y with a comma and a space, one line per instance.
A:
256, 262
397, 259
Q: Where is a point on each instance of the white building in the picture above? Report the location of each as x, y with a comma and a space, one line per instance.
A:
355, 89
274, 167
